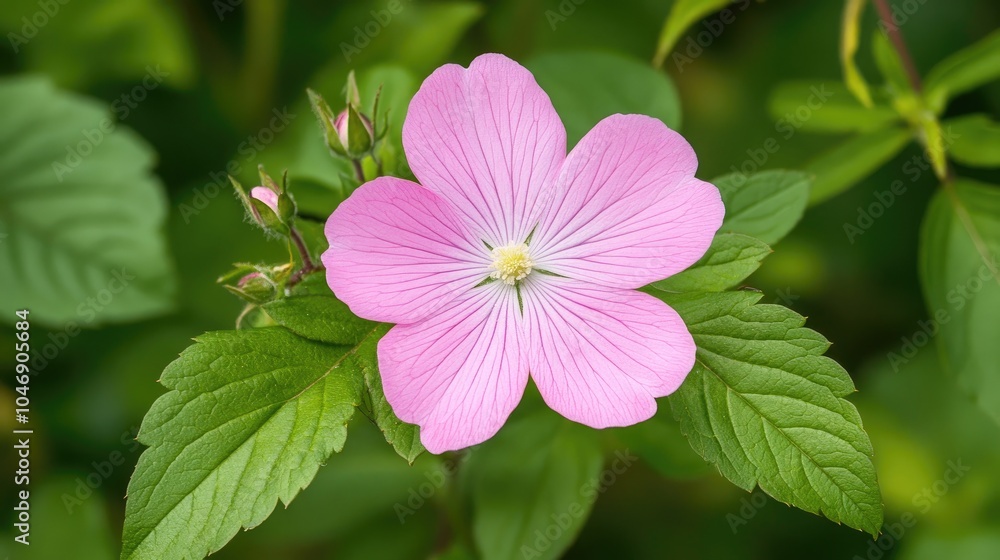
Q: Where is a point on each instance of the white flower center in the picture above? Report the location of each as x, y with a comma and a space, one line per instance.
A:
511, 263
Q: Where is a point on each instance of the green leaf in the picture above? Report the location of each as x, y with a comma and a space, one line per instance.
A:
250, 417
975, 140
839, 113
765, 205
539, 471
319, 317
849, 32
683, 14
967, 69
404, 438
766, 406
960, 244
843, 166
81, 212
586, 87
731, 258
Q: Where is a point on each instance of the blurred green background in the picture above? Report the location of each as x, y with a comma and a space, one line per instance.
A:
224, 67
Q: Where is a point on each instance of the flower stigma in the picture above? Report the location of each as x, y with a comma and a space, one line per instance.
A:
511, 263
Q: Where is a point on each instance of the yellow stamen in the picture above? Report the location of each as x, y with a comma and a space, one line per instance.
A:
511, 263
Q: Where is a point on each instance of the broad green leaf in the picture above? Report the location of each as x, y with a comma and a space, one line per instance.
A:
731, 259
766, 406
404, 438
967, 69
975, 140
81, 212
842, 167
319, 317
826, 107
849, 36
587, 86
765, 205
82, 43
660, 443
960, 245
250, 417
683, 14
537, 472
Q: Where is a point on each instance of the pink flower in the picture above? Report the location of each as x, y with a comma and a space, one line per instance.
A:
512, 258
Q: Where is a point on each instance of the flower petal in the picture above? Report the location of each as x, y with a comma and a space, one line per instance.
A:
628, 210
398, 252
488, 139
599, 355
460, 373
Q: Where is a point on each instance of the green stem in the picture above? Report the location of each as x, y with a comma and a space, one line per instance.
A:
896, 38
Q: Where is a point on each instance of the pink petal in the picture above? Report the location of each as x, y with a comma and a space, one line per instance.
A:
267, 196
628, 210
398, 252
600, 355
488, 139
461, 372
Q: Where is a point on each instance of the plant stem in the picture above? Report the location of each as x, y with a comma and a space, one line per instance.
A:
359, 171
301, 246
885, 15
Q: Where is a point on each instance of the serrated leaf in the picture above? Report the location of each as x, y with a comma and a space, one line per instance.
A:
404, 438
846, 164
765, 205
840, 112
586, 87
683, 14
81, 212
849, 36
731, 258
967, 69
250, 417
975, 140
766, 406
959, 251
537, 471
319, 317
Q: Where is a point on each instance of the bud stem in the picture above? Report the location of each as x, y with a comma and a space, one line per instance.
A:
359, 171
